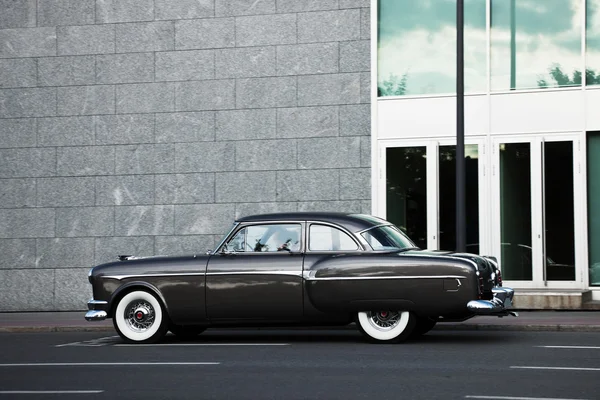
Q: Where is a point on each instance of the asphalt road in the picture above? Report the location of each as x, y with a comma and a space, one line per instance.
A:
311, 364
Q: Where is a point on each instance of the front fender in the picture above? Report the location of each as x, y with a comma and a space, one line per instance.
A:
127, 287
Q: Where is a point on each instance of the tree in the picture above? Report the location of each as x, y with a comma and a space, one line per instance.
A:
393, 86
562, 79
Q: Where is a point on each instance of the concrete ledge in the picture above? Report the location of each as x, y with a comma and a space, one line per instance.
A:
550, 299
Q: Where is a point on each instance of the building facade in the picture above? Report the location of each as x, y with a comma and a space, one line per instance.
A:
532, 90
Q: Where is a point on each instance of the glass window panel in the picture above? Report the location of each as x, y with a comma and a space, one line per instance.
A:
417, 47
406, 189
266, 238
327, 238
515, 211
447, 197
592, 42
593, 184
535, 44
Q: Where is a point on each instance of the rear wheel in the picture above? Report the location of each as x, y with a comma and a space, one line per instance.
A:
386, 326
140, 318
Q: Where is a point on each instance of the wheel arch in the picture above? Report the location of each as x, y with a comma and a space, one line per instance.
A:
131, 287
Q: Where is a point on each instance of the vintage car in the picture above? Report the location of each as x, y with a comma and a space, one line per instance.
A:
301, 269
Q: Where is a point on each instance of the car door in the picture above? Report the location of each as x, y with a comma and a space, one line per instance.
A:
257, 274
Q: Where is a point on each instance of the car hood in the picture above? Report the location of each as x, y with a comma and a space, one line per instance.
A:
129, 265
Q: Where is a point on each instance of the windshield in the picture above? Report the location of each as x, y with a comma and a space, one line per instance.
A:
387, 237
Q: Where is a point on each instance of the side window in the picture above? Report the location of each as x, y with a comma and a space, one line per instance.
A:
327, 238
266, 238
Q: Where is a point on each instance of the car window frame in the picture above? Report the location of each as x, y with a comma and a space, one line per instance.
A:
240, 226
359, 245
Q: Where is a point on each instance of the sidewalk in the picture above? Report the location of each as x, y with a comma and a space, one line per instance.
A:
574, 321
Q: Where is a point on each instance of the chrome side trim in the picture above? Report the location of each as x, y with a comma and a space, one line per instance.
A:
358, 278
121, 277
291, 273
94, 315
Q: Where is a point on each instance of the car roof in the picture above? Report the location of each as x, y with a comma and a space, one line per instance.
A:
352, 222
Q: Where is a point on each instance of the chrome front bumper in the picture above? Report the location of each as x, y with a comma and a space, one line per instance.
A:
499, 305
97, 310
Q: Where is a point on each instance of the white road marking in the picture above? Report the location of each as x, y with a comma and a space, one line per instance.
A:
514, 398
558, 368
51, 391
102, 364
571, 347
200, 344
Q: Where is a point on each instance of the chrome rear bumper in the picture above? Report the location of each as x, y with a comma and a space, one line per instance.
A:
97, 310
499, 305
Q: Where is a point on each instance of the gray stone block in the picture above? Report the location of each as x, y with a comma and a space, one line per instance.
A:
266, 92
109, 11
227, 8
27, 162
124, 190
145, 36
365, 87
67, 71
365, 151
184, 245
17, 253
86, 100
192, 65
210, 33
143, 220
18, 72
17, 193
203, 219
145, 159
87, 39
265, 155
246, 124
107, 249
365, 23
85, 221
329, 26
185, 188
355, 3
365, 206
66, 131
355, 56
17, 13
185, 127
245, 209
355, 184
245, 62
265, 30
307, 122
145, 98
304, 185
355, 120
125, 68
33, 102
64, 253
328, 89
302, 59
65, 192
85, 160
66, 12
330, 206
329, 153
20, 132
204, 157
205, 95
245, 186
72, 289
27, 290
184, 9
31, 42
125, 129
27, 223
290, 6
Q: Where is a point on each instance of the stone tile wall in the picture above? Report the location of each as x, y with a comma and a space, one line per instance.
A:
147, 126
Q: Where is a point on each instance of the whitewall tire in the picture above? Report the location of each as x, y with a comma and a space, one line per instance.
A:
386, 326
140, 318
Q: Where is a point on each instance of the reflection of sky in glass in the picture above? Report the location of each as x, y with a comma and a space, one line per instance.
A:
592, 40
548, 33
418, 38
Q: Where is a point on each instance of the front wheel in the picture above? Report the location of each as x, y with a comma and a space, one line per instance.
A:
140, 318
386, 326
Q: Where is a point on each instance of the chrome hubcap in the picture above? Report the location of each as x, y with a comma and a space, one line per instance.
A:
384, 320
139, 315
